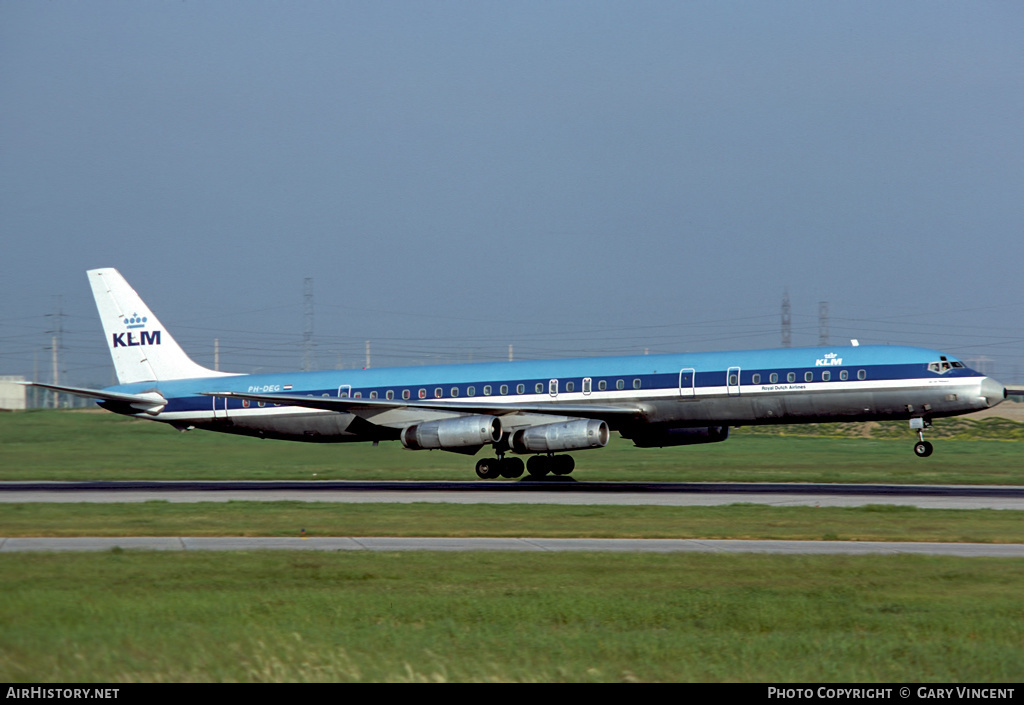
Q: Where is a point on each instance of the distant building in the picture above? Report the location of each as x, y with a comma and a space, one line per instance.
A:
12, 395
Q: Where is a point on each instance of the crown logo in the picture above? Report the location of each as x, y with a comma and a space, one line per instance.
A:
135, 321
830, 356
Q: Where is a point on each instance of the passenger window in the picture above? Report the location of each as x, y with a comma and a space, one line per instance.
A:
602, 386
470, 391
619, 384
808, 376
570, 386
773, 377
862, 374
438, 392
586, 385
539, 388
791, 377
390, 394
487, 390
756, 379
405, 394
423, 394
504, 389
733, 379
373, 395
844, 375
520, 388
358, 395
636, 384
455, 392
826, 376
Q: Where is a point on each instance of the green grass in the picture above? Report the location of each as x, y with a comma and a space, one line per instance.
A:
276, 616
743, 521
49, 445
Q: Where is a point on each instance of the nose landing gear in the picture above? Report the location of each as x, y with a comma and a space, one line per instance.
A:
922, 448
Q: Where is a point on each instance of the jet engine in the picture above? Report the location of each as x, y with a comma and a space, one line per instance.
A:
460, 432
665, 437
569, 435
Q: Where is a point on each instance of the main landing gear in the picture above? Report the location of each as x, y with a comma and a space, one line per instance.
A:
538, 466
490, 468
922, 448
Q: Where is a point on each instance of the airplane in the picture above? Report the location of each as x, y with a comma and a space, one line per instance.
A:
538, 409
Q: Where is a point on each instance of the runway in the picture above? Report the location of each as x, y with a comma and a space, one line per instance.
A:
523, 492
184, 543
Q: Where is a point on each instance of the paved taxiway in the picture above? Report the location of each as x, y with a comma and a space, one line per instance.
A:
194, 543
566, 493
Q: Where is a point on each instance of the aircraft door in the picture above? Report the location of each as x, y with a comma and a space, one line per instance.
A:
732, 381
687, 383
345, 391
220, 407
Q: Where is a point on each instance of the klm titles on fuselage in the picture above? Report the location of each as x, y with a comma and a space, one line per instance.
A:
128, 340
829, 360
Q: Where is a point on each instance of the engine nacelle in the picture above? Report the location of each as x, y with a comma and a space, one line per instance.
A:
460, 432
569, 435
665, 437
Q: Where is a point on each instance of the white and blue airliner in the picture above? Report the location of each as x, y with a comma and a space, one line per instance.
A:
538, 409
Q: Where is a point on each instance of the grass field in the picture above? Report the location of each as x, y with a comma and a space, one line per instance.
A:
51, 445
739, 521
278, 616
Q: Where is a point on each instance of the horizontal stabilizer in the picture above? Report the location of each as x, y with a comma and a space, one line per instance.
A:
347, 404
150, 402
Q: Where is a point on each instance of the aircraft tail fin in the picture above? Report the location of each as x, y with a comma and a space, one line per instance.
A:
140, 346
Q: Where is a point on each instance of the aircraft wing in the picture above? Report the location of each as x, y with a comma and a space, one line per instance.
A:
150, 402
475, 406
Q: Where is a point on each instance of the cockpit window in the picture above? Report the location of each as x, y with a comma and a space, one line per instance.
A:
943, 366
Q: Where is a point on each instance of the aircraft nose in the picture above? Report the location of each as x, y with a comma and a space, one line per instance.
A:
993, 392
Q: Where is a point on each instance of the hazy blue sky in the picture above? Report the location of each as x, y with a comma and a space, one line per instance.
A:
568, 177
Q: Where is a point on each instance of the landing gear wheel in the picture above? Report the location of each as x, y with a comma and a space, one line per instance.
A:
923, 449
538, 466
562, 464
488, 468
511, 468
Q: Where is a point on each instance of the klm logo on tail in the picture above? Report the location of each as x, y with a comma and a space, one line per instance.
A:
128, 340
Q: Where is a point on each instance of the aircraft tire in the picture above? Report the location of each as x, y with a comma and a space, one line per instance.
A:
511, 468
538, 466
488, 468
923, 449
562, 464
